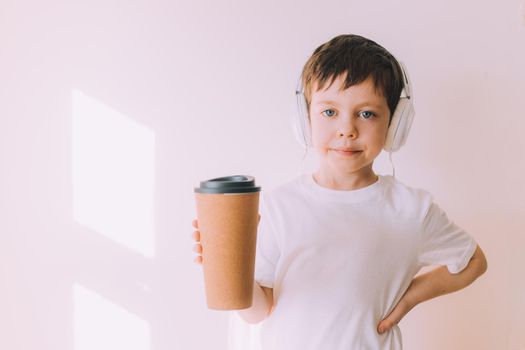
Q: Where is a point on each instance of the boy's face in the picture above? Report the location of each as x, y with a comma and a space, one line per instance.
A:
355, 119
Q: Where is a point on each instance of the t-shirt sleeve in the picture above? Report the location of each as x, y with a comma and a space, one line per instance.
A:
267, 251
443, 242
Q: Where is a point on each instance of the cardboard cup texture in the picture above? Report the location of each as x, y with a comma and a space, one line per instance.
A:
228, 227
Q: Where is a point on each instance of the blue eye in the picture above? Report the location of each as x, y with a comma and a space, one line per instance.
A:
367, 114
328, 112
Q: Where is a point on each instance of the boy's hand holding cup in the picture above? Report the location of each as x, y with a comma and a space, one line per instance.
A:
226, 228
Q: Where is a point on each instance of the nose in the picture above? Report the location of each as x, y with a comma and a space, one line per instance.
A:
347, 131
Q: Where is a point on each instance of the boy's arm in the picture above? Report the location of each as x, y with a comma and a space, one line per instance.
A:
432, 284
261, 306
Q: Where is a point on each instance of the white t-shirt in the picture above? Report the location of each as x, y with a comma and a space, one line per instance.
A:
339, 261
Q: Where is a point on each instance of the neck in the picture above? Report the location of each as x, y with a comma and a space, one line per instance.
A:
345, 181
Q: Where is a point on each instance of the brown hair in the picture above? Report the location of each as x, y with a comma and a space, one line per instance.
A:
358, 58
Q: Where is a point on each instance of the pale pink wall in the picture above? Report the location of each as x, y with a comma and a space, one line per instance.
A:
182, 91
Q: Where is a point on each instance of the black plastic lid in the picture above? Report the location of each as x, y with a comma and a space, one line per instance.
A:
229, 184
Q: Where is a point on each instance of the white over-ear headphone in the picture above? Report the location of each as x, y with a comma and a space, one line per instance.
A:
397, 131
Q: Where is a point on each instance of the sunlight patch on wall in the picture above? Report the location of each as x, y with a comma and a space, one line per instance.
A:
242, 335
100, 324
113, 170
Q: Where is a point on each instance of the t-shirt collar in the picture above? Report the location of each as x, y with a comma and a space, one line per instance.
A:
361, 194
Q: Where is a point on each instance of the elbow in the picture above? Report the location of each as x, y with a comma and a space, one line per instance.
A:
482, 262
251, 318
253, 321
483, 267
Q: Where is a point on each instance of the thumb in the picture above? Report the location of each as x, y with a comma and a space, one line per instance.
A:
385, 325
392, 319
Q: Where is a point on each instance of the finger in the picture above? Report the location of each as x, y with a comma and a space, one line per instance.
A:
259, 218
391, 320
195, 223
198, 260
196, 235
384, 326
197, 248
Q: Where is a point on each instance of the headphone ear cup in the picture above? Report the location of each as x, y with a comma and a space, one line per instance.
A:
400, 125
301, 124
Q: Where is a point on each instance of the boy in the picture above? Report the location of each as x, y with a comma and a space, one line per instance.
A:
338, 249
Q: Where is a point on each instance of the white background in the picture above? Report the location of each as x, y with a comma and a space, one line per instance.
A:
112, 111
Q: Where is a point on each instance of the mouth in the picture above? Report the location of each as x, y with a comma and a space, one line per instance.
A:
346, 151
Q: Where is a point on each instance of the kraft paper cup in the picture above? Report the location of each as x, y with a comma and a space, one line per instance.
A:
227, 213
